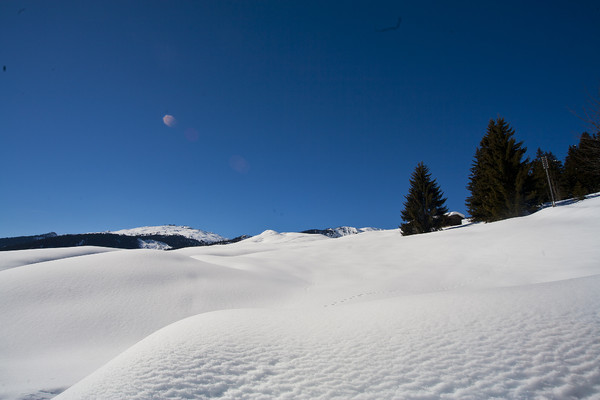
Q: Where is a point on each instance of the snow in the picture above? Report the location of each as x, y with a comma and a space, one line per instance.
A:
271, 236
167, 230
369, 229
11, 259
501, 310
341, 231
501, 343
153, 244
349, 230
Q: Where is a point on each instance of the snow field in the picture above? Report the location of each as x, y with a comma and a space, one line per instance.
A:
538, 341
505, 310
63, 319
11, 259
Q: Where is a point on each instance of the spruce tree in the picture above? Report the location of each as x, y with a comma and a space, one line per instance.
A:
424, 207
589, 152
500, 182
571, 179
582, 166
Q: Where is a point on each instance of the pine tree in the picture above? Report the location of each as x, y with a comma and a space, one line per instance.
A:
589, 149
500, 183
582, 166
570, 179
424, 206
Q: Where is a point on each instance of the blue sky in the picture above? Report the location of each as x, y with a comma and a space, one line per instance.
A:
289, 115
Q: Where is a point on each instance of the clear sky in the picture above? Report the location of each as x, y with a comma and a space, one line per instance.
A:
286, 115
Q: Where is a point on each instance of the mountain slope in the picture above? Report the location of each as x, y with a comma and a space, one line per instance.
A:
150, 237
506, 309
173, 230
340, 231
20, 240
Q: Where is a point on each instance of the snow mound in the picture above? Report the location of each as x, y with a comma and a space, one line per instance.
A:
17, 258
369, 229
271, 237
185, 231
537, 341
63, 319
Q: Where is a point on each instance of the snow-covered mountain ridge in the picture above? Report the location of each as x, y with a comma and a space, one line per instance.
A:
209, 237
340, 231
170, 230
164, 237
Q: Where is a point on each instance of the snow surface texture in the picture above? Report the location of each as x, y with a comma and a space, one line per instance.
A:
11, 259
505, 310
167, 230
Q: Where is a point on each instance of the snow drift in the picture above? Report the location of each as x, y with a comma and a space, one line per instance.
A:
506, 310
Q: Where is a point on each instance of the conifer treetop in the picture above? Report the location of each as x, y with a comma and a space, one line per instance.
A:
424, 207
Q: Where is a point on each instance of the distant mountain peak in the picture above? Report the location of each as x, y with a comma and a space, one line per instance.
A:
170, 230
340, 231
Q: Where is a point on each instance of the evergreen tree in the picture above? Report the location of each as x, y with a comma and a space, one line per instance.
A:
500, 183
570, 179
582, 166
424, 207
555, 172
589, 152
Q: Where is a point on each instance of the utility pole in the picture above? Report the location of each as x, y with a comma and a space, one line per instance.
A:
545, 165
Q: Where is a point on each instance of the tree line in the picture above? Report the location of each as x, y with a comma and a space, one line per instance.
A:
503, 183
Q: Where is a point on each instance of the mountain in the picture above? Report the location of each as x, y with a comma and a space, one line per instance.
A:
165, 237
172, 230
76, 240
340, 231
162, 237
21, 240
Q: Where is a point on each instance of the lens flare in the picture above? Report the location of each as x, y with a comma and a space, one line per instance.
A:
169, 120
239, 164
